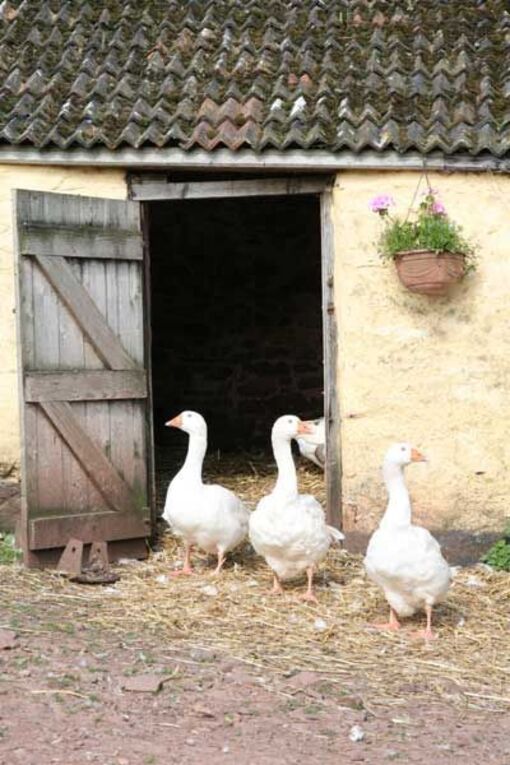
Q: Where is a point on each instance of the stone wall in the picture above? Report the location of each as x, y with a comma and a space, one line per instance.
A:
433, 371
237, 327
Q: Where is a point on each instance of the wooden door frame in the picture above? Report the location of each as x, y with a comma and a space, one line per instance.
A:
150, 187
147, 310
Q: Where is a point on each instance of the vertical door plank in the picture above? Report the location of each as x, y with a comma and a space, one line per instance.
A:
30, 458
50, 486
131, 304
93, 280
30, 445
140, 448
131, 308
27, 311
96, 412
72, 356
71, 336
120, 412
46, 329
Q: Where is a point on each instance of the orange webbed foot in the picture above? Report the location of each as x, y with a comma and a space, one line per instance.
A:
184, 571
309, 597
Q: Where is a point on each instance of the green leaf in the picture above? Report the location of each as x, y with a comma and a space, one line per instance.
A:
428, 231
9, 553
498, 556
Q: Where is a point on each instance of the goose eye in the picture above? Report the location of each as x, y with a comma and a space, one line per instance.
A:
289, 421
402, 448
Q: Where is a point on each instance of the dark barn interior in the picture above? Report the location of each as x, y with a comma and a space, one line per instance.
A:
236, 315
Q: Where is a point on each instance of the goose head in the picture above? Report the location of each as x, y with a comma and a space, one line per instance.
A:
191, 422
403, 454
289, 426
316, 433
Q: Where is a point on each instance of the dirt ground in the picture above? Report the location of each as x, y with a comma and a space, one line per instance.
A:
64, 697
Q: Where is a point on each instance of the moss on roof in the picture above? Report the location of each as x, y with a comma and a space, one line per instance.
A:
259, 74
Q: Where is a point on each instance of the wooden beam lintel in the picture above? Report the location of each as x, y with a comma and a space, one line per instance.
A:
153, 188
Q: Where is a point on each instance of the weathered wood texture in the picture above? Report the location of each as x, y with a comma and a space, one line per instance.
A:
91, 458
115, 218
84, 382
86, 313
151, 187
47, 532
79, 242
150, 443
333, 466
85, 385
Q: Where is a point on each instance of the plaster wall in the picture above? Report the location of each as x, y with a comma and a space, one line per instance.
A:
81, 181
432, 371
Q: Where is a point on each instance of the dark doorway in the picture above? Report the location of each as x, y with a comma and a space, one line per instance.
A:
236, 315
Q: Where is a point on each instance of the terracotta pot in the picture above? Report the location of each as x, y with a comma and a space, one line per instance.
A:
429, 273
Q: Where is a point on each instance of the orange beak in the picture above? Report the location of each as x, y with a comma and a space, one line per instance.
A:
175, 423
304, 427
417, 456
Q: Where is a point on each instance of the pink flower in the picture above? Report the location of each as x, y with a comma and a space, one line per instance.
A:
382, 203
438, 208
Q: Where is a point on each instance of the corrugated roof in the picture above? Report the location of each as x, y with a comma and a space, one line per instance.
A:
258, 74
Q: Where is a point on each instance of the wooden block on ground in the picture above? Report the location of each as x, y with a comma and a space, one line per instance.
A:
71, 558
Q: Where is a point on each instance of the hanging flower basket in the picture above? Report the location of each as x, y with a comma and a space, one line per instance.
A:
429, 273
429, 251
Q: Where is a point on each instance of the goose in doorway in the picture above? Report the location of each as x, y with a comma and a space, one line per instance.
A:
287, 528
312, 444
206, 515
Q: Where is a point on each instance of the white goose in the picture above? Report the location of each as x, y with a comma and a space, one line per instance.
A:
405, 560
206, 515
289, 529
312, 444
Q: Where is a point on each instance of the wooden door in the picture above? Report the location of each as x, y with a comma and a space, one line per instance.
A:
85, 418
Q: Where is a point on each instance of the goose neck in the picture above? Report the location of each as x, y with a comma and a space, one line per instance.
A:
398, 511
192, 468
286, 483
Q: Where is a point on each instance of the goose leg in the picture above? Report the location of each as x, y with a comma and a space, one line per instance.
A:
393, 624
309, 594
277, 587
221, 561
187, 567
427, 632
